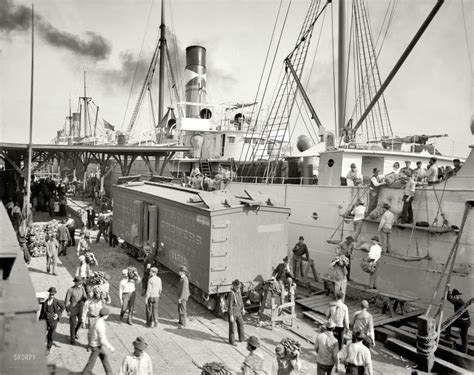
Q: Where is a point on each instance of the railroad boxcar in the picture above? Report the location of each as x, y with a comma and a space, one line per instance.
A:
219, 237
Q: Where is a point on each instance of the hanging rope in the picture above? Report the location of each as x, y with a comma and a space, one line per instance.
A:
439, 210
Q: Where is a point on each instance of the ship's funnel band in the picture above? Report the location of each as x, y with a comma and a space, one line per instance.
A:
190, 75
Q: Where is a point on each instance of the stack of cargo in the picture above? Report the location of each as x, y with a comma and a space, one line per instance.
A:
36, 237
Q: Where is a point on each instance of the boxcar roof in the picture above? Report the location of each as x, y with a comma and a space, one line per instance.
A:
210, 201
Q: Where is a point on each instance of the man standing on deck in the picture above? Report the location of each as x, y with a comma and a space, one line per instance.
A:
299, 251
339, 314
419, 172
346, 248
406, 169
364, 322
375, 252
359, 216
235, 308
98, 342
75, 298
183, 295
327, 350
51, 310
354, 176
385, 227
463, 322
152, 298
432, 172
408, 196
376, 182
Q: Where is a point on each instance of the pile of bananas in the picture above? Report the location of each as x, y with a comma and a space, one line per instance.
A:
215, 368
292, 347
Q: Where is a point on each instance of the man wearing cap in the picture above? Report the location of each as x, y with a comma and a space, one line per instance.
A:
406, 170
376, 182
152, 298
299, 251
408, 196
456, 167
359, 212
98, 342
346, 248
364, 322
357, 357
51, 310
385, 228
463, 322
282, 271
327, 349
183, 295
149, 262
253, 363
432, 172
339, 314
138, 362
287, 364
75, 298
235, 308
354, 176
375, 252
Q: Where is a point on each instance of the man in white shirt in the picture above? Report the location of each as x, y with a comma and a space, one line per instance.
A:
339, 314
385, 228
432, 172
359, 216
354, 178
419, 172
408, 196
376, 182
357, 357
127, 294
327, 349
375, 252
138, 362
98, 342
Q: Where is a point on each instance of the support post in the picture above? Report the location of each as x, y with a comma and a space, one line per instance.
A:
426, 342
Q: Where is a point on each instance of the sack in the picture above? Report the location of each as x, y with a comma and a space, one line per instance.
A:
367, 266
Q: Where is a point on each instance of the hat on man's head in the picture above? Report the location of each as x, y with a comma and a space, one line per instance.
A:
456, 161
52, 290
253, 341
104, 311
375, 238
285, 259
456, 292
365, 304
350, 238
407, 161
183, 269
301, 238
330, 324
279, 349
140, 343
359, 335
375, 170
386, 206
77, 279
236, 282
353, 165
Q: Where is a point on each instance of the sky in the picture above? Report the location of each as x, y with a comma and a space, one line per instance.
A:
432, 94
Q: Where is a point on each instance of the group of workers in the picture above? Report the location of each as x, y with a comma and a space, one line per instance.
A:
204, 181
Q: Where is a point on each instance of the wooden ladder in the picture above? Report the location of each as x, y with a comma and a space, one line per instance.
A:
205, 167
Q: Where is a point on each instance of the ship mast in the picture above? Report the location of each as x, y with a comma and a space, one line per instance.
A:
341, 70
161, 78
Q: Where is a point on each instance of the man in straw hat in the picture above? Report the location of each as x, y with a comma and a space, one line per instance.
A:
98, 343
375, 252
51, 310
253, 363
183, 295
138, 362
327, 348
385, 227
235, 308
357, 357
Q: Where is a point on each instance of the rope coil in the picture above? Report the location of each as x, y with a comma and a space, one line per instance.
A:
427, 345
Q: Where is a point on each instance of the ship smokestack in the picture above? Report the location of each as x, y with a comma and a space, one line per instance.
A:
195, 82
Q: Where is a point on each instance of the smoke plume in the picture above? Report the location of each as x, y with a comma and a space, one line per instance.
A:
17, 18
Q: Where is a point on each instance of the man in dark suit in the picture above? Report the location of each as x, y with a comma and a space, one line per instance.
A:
183, 295
75, 297
63, 237
51, 310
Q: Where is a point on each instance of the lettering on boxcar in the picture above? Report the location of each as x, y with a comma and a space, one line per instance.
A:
270, 228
